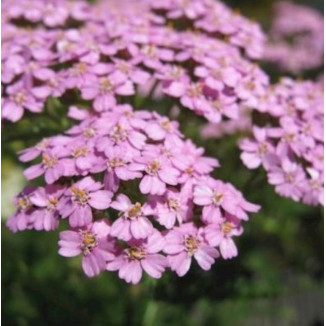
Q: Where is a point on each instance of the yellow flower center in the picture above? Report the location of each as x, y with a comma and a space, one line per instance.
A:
116, 161
217, 198
134, 210
118, 133
227, 227
173, 204
289, 137
263, 148
20, 97
124, 67
136, 253
165, 123
89, 241
192, 243
79, 151
52, 202
153, 167
289, 177
175, 72
79, 195
149, 50
89, 132
105, 85
24, 203
79, 69
195, 90
189, 170
315, 184
49, 161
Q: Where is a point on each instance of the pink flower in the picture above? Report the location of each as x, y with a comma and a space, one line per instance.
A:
162, 128
158, 173
130, 70
79, 200
11, 67
152, 56
218, 197
82, 158
29, 154
185, 242
21, 219
194, 97
53, 84
46, 200
78, 75
221, 105
93, 242
214, 197
313, 188
51, 166
20, 98
191, 162
173, 207
102, 90
220, 234
124, 135
132, 222
256, 152
287, 179
174, 80
140, 255
54, 15
218, 75
118, 168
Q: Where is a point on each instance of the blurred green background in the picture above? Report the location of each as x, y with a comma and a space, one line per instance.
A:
277, 279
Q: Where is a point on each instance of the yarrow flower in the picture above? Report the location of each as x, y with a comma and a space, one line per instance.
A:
93, 242
302, 25
137, 195
127, 237
289, 150
110, 60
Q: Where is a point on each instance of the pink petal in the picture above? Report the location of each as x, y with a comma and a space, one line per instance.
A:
205, 257
145, 185
250, 160
33, 172
169, 175
141, 227
121, 229
180, 263
122, 203
100, 199
228, 249
154, 265
131, 272
203, 195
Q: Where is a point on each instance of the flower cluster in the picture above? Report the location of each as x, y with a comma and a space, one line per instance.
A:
136, 194
191, 51
304, 27
290, 145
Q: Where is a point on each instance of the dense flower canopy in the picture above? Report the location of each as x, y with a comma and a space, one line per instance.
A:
134, 194
297, 38
117, 47
290, 145
115, 153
